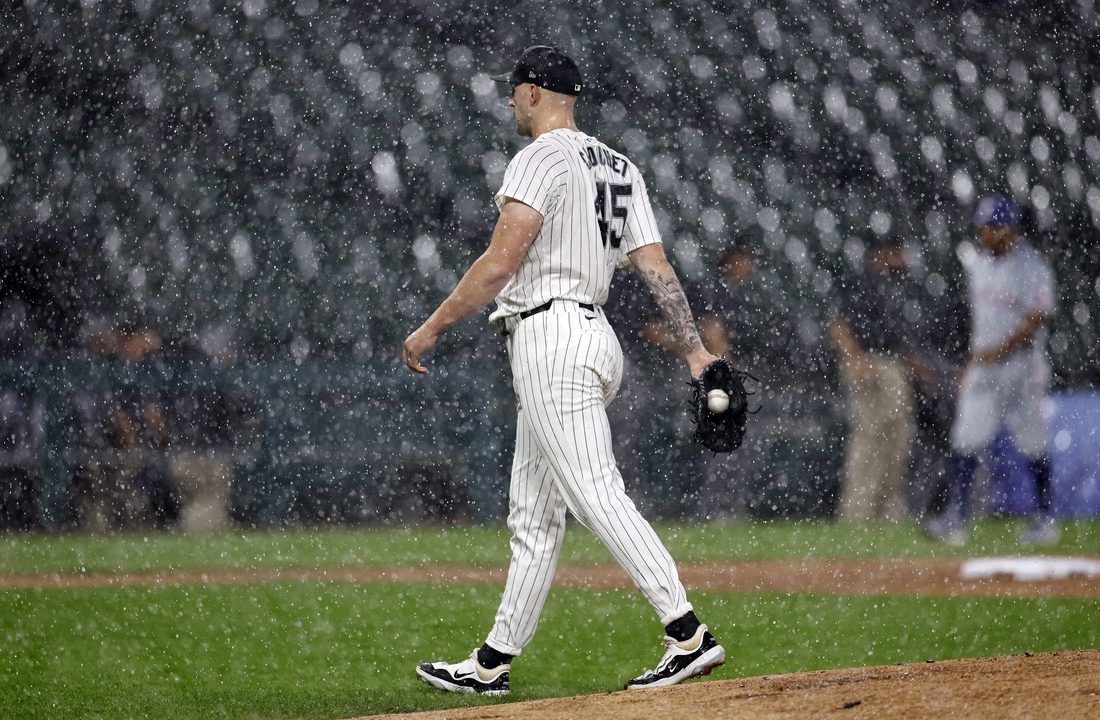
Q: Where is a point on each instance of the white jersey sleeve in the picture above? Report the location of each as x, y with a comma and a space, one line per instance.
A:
1004, 291
1038, 286
535, 177
641, 224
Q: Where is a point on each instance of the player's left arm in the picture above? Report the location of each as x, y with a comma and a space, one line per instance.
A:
651, 264
712, 331
516, 229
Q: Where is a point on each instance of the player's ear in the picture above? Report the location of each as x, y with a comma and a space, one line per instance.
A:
536, 94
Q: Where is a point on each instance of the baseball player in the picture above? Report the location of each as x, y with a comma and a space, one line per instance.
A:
571, 211
1011, 296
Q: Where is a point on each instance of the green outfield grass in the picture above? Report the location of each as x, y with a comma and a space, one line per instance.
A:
337, 650
488, 546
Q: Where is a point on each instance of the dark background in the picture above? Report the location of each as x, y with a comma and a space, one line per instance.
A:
283, 190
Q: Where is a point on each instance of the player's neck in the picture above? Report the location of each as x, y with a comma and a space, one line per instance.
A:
556, 121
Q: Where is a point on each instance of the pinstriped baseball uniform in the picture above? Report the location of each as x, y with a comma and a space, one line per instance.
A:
566, 367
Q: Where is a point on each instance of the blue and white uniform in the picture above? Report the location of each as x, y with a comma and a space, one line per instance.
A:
1003, 292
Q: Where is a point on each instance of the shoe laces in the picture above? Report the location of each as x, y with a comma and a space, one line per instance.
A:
671, 646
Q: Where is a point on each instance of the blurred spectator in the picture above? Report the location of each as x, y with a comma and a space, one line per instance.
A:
19, 334
872, 340
934, 380
210, 427
649, 415
22, 421
741, 318
737, 315
201, 463
123, 429
1011, 295
22, 418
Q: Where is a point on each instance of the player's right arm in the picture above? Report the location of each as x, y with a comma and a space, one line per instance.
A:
844, 340
1037, 294
516, 229
1018, 340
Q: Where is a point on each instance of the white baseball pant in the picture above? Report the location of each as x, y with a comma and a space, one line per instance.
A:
566, 367
1012, 393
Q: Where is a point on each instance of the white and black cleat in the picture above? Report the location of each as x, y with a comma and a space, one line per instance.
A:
694, 657
465, 677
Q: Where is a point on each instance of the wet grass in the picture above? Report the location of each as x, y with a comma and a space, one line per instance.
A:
335, 650
488, 546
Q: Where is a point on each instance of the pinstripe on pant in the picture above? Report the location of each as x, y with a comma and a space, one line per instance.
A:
566, 367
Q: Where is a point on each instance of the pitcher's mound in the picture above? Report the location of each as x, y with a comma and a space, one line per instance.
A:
1061, 685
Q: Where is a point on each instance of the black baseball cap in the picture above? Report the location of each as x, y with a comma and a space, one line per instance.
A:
546, 67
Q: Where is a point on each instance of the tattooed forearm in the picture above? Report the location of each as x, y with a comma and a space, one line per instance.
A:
670, 297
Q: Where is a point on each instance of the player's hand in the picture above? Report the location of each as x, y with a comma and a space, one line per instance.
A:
417, 346
985, 357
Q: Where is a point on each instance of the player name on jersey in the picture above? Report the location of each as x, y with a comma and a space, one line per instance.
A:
593, 156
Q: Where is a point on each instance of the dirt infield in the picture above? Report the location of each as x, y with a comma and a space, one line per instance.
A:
849, 577
1063, 685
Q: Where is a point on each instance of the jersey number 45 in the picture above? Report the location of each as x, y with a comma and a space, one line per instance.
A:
617, 198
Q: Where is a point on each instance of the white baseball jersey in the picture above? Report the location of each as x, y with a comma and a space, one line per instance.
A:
1004, 291
566, 367
595, 210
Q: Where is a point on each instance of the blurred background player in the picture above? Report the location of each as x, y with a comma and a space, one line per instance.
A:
123, 433
741, 318
873, 343
662, 474
1007, 373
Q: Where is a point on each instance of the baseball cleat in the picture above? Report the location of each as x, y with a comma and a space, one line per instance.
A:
1043, 530
946, 530
689, 658
465, 677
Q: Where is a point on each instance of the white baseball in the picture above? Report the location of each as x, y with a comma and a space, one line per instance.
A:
718, 401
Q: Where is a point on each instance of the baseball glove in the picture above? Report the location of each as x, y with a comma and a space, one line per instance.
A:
720, 429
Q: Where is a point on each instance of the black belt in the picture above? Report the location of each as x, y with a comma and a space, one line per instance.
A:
508, 324
546, 306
